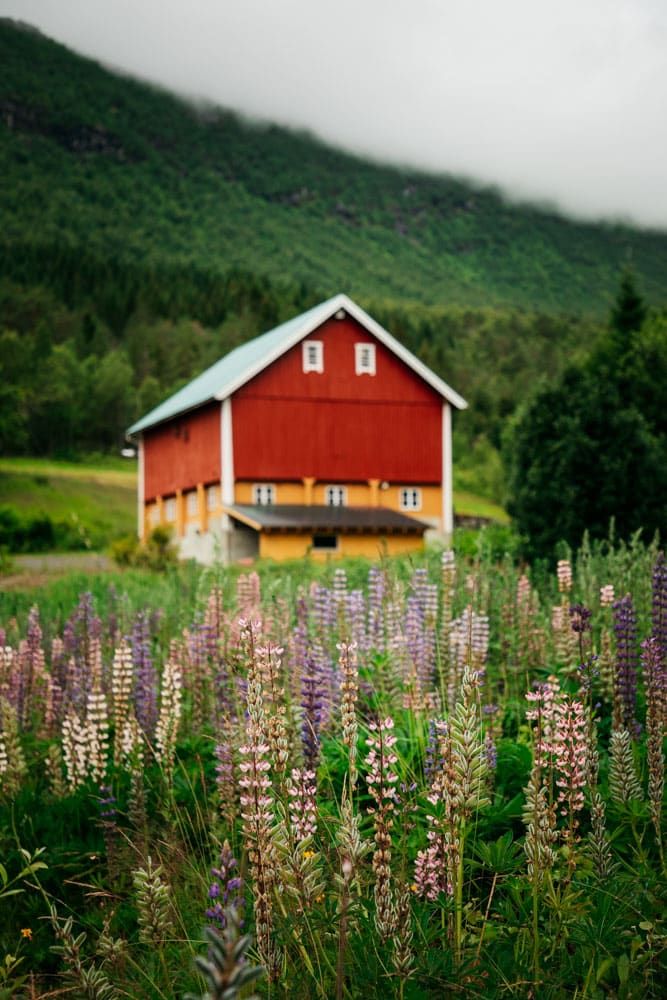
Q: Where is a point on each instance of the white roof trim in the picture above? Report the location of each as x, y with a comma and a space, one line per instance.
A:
341, 301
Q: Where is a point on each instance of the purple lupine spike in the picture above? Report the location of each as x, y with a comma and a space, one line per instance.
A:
659, 606
432, 755
376, 590
419, 649
312, 703
355, 615
145, 675
580, 618
324, 612
625, 696
31, 666
82, 635
225, 889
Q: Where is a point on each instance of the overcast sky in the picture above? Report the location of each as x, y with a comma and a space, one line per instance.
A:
559, 101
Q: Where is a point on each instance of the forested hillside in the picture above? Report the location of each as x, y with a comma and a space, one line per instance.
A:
141, 238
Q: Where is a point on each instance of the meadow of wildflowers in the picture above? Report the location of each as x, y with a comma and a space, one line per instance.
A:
441, 782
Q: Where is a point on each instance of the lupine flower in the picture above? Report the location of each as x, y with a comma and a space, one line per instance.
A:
269, 667
97, 734
154, 907
145, 676
121, 688
625, 688
656, 719
659, 606
623, 781
312, 704
571, 754
564, 573
13, 765
607, 595
381, 779
166, 729
349, 686
540, 819
257, 820
225, 891
302, 791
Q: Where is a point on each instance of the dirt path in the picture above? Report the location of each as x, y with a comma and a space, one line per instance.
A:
36, 570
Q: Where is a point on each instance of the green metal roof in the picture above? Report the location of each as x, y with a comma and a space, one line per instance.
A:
244, 362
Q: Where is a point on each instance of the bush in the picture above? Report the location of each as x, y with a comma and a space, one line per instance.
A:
157, 554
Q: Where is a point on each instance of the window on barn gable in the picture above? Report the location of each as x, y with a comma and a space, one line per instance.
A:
264, 494
313, 356
364, 359
335, 496
410, 498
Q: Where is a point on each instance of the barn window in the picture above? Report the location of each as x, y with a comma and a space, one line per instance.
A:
410, 498
335, 496
193, 506
325, 543
170, 509
364, 359
211, 497
313, 356
264, 493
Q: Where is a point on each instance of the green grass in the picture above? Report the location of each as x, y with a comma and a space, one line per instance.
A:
471, 505
100, 497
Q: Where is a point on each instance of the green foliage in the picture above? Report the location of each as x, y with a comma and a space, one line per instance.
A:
157, 554
590, 448
580, 460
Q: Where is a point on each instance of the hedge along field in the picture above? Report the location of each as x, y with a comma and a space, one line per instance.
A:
436, 781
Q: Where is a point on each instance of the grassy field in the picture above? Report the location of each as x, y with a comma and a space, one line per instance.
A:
98, 499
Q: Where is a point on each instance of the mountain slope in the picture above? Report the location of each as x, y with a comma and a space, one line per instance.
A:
99, 165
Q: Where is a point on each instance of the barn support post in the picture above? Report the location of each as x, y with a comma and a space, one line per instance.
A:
202, 512
308, 483
141, 492
180, 513
447, 496
226, 474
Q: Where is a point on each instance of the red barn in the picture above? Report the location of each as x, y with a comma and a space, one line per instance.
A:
324, 434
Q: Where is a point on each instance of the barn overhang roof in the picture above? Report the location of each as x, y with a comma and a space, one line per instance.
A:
245, 362
320, 518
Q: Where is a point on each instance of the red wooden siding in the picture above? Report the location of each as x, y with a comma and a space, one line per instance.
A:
338, 425
182, 453
344, 441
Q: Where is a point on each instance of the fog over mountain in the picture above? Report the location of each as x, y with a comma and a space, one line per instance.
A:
563, 104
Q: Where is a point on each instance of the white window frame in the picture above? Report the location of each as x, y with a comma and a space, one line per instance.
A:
335, 496
410, 498
364, 358
192, 504
263, 494
212, 497
154, 516
170, 510
312, 356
